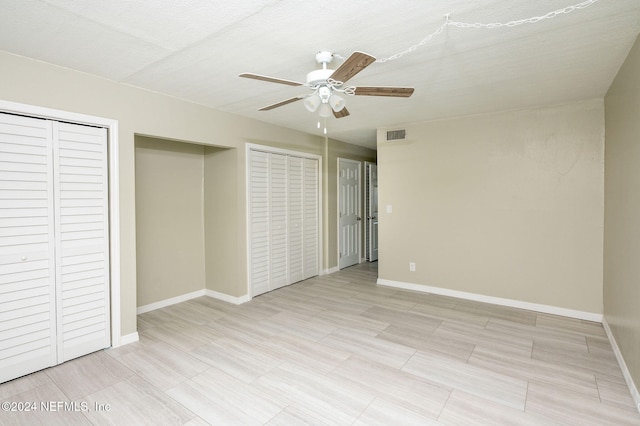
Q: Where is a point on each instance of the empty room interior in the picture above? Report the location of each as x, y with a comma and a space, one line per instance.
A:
284, 212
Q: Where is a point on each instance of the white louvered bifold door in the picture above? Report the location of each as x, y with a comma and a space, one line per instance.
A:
82, 243
54, 245
296, 216
27, 285
278, 240
259, 221
283, 220
311, 219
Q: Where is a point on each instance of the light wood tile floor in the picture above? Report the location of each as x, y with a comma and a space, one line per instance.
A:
339, 350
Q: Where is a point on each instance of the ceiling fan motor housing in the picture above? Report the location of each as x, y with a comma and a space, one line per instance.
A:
318, 76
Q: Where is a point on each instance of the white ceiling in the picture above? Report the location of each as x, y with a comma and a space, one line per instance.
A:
195, 49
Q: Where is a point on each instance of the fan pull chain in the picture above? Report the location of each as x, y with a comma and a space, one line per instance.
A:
324, 128
464, 25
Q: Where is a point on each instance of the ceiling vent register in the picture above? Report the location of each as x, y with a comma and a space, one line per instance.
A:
397, 135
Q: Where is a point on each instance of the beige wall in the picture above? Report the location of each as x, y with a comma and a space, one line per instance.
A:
622, 212
169, 220
186, 220
225, 264
143, 113
508, 205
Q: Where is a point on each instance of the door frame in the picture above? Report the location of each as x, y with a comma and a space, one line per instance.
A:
114, 197
266, 148
367, 197
359, 201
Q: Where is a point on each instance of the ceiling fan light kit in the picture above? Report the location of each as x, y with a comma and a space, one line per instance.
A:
326, 84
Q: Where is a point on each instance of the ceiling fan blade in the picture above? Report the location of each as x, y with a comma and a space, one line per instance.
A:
352, 66
397, 92
342, 113
270, 79
279, 104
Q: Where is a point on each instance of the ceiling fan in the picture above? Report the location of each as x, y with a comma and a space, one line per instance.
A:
326, 85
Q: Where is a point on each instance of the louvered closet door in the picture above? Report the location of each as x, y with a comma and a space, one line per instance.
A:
311, 220
278, 212
54, 269
27, 285
259, 221
296, 219
283, 220
82, 231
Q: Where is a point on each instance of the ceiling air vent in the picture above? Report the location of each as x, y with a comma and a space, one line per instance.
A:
396, 135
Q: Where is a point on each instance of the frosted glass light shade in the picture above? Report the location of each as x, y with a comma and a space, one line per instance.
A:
311, 102
337, 103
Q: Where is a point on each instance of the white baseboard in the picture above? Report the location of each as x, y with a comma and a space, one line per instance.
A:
188, 296
623, 365
168, 302
128, 338
547, 309
330, 270
226, 298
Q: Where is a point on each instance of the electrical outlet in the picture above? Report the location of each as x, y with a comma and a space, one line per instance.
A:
412, 266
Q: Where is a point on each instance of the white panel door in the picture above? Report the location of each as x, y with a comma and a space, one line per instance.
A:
295, 220
349, 212
311, 251
82, 239
372, 219
259, 270
278, 212
27, 269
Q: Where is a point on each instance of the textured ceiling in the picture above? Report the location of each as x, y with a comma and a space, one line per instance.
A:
194, 50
